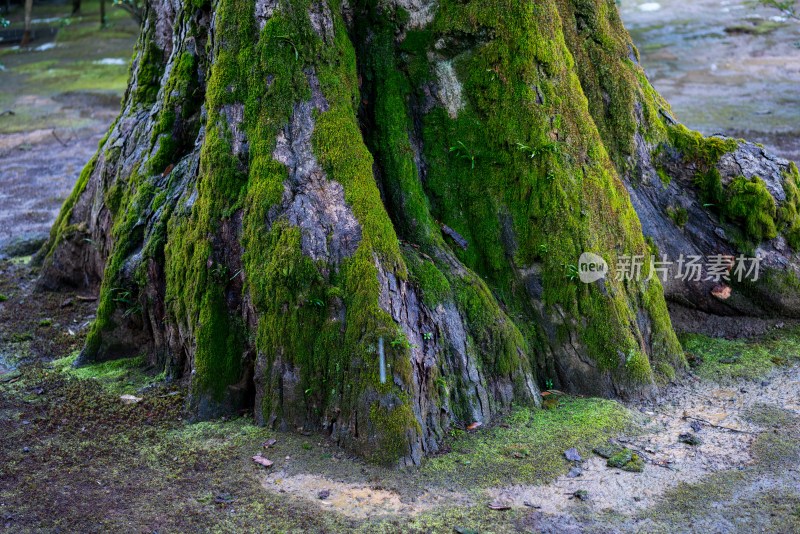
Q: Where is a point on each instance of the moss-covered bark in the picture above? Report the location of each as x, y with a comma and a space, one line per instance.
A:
364, 218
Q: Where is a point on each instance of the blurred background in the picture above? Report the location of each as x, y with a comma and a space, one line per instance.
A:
726, 66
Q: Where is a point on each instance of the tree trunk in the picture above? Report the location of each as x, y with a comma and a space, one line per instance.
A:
26, 34
364, 218
76, 7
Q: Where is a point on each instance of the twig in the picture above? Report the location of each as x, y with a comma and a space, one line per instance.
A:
57, 138
706, 422
722, 427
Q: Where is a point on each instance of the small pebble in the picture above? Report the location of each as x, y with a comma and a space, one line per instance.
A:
575, 472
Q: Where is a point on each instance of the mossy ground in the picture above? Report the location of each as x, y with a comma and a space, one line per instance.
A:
528, 447
34, 81
724, 360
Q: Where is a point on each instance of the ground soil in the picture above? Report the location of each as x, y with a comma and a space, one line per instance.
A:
727, 67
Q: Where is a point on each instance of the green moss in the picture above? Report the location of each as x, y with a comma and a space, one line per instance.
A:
770, 416
149, 71
393, 427
665, 178
702, 151
687, 501
777, 450
724, 360
530, 448
678, 215
122, 376
788, 213
751, 204
177, 106
428, 277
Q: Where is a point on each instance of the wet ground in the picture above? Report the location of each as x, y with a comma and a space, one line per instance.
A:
725, 66
57, 98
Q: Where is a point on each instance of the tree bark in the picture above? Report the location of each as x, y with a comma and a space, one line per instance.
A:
364, 218
26, 35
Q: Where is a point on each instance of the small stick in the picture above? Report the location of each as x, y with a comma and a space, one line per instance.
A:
709, 423
58, 139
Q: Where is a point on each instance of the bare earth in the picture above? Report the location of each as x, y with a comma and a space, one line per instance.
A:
717, 77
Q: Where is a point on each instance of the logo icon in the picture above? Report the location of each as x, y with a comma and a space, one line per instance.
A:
591, 268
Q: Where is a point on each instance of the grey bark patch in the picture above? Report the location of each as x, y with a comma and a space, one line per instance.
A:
420, 12
457, 238
449, 89
311, 202
750, 160
164, 23
264, 10
234, 116
321, 20
439, 345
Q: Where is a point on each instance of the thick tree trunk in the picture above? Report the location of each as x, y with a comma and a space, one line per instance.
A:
364, 218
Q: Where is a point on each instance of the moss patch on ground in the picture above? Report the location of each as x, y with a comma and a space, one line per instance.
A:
123, 376
723, 360
529, 446
59, 76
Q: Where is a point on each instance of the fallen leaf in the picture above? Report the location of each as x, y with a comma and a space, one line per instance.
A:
499, 506
722, 292
260, 460
269, 443
474, 426
130, 399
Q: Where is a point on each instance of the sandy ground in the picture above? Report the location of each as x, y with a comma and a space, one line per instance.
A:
719, 416
39, 170
57, 99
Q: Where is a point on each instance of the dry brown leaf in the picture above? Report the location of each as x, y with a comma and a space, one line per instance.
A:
260, 460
